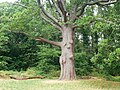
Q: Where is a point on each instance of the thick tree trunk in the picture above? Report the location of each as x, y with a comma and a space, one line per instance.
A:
67, 56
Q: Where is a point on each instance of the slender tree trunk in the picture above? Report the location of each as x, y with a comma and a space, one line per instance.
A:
96, 42
67, 56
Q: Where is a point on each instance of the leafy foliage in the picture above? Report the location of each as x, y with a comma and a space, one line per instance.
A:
82, 64
97, 43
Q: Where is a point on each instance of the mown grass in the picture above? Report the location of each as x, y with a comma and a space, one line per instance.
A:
38, 84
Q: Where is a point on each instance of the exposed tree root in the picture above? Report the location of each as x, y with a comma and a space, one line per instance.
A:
26, 78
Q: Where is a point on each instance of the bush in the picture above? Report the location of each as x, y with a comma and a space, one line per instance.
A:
113, 63
48, 61
6, 74
38, 72
100, 60
3, 62
82, 64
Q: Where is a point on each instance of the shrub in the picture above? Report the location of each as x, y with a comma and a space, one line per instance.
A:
82, 64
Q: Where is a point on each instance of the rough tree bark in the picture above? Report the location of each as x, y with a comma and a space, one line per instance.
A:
67, 30
67, 54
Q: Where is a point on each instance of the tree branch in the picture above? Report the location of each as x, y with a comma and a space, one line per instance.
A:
94, 20
107, 2
88, 23
98, 2
51, 23
61, 6
48, 41
73, 13
57, 8
47, 14
50, 3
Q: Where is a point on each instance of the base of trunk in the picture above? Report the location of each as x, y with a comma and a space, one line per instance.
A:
67, 70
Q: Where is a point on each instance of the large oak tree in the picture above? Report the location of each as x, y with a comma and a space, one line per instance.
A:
62, 14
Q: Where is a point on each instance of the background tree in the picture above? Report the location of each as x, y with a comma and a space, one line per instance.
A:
4, 25
17, 51
108, 46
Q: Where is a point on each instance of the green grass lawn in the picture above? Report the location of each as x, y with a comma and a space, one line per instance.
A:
43, 84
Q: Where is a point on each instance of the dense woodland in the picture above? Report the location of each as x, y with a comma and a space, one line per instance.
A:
96, 47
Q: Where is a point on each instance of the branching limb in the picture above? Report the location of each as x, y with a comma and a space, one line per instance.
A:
57, 8
94, 20
47, 14
88, 23
81, 10
50, 3
73, 13
107, 2
48, 41
51, 23
61, 5
97, 2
